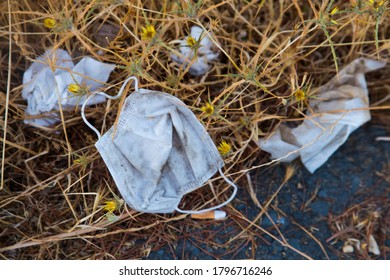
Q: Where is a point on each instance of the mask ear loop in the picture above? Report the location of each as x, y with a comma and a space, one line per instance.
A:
109, 97
214, 207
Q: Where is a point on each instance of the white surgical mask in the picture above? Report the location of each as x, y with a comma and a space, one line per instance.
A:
158, 152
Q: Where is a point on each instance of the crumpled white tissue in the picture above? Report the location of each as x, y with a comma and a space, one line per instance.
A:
336, 113
46, 81
200, 57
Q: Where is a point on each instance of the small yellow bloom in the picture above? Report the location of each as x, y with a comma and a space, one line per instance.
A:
300, 95
208, 109
74, 88
77, 90
111, 206
191, 41
376, 4
334, 11
148, 32
224, 148
49, 23
82, 160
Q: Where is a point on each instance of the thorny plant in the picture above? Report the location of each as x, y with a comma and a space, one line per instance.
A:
55, 195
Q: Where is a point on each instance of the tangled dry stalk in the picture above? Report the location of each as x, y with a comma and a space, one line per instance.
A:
55, 184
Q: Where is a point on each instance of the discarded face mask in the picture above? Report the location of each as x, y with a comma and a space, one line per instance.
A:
46, 82
158, 151
341, 107
198, 57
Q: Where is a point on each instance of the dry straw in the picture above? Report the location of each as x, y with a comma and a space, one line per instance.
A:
55, 186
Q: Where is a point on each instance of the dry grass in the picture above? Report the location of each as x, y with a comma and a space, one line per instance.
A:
55, 183
355, 226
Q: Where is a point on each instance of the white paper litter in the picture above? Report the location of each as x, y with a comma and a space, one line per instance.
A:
200, 57
46, 81
373, 246
341, 107
347, 248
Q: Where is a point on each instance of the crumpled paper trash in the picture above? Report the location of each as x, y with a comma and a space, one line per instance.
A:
336, 114
46, 81
198, 57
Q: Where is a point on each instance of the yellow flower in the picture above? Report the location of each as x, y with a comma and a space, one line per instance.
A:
224, 148
74, 88
300, 95
376, 4
334, 11
111, 206
148, 32
77, 90
82, 160
49, 23
208, 109
191, 41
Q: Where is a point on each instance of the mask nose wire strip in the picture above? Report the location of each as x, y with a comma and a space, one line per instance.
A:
109, 97
214, 207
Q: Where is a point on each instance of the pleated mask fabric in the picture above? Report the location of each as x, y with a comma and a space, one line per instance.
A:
158, 152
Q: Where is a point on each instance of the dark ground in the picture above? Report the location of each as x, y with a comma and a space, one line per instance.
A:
358, 174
